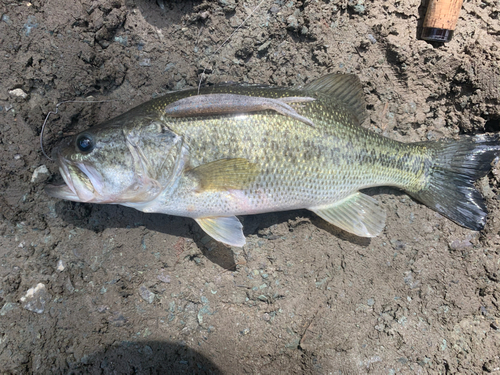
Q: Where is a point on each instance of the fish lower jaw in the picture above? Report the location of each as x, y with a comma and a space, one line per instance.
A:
62, 192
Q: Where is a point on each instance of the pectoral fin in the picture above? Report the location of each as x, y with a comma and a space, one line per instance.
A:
359, 214
225, 174
224, 229
222, 104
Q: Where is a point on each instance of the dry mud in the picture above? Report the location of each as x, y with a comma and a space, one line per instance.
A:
106, 289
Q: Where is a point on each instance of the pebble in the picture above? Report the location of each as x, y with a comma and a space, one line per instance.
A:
145, 62
169, 66
146, 294
264, 46
164, 277
6, 19
204, 310
60, 265
292, 22
459, 244
36, 298
357, 5
9, 306
371, 38
40, 174
19, 93
235, 21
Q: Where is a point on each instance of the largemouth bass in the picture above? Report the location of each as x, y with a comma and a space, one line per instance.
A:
246, 150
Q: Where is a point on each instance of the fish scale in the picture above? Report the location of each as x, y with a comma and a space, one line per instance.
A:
311, 172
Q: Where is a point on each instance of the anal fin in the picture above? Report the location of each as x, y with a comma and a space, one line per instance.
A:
227, 230
359, 214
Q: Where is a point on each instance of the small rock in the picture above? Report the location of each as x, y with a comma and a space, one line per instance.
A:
9, 306
169, 66
19, 93
227, 5
40, 174
235, 21
398, 244
410, 281
69, 286
460, 244
36, 298
292, 22
146, 294
145, 62
60, 265
371, 38
102, 308
117, 319
264, 46
6, 19
164, 277
357, 5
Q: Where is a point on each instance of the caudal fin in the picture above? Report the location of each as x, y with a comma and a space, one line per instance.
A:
450, 184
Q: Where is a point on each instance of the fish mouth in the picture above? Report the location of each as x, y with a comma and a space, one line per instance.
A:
79, 185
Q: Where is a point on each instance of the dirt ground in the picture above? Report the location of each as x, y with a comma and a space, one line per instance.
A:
105, 289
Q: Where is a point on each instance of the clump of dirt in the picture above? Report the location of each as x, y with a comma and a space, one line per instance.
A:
106, 289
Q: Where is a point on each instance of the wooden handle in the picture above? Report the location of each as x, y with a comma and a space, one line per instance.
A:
442, 14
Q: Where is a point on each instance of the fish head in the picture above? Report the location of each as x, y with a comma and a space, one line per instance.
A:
116, 163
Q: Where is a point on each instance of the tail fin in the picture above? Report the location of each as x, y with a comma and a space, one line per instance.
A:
450, 184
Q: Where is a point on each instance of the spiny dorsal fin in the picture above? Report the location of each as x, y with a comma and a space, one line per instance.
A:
359, 214
225, 174
344, 87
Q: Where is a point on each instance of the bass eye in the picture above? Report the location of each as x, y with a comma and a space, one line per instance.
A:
85, 143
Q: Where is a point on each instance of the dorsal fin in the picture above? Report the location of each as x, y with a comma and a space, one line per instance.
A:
343, 87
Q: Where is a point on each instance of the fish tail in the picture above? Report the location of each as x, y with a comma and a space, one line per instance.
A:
455, 166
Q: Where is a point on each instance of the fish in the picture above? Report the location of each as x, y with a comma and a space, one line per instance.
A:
231, 150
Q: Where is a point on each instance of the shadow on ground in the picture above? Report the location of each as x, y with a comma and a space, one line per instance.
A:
100, 217
145, 357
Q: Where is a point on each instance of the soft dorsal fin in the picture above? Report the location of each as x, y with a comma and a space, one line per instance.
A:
343, 87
